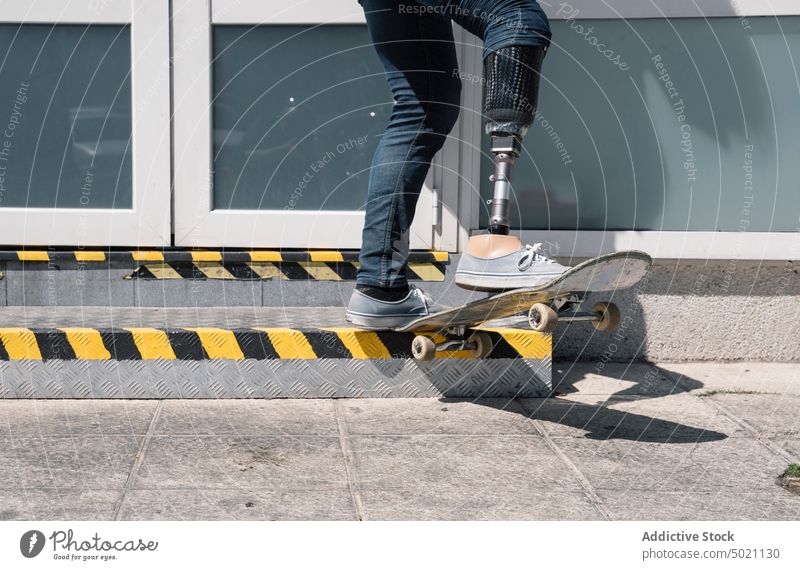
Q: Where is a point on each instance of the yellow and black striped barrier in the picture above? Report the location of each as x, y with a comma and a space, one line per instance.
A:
239, 344
287, 270
319, 265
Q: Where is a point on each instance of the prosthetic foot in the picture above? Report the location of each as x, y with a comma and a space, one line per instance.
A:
498, 260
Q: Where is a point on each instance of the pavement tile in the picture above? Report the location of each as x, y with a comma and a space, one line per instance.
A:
769, 414
504, 464
774, 377
81, 462
736, 464
721, 505
228, 462
680, 417
624, 379
34, 418
529, 501
419, 416
244, 504
790, 444
58, 504
247, 417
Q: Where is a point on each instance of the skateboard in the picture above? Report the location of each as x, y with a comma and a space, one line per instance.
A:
546, 305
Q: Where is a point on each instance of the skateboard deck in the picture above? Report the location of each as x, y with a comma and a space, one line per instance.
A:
604, 273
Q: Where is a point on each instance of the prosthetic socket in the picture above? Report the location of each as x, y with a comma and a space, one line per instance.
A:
510, 98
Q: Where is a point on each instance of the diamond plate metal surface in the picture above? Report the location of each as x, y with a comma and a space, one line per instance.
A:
173, 317
322, 378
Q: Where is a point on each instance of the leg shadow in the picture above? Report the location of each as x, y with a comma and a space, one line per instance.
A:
601, 421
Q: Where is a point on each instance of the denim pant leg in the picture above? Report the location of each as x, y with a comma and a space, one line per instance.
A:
419, 58
499, 23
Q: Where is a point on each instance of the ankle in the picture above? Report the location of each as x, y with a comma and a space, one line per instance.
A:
384, 293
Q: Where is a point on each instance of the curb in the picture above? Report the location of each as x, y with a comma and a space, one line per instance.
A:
193, 344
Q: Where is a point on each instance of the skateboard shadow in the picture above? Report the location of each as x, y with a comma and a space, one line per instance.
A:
601, 421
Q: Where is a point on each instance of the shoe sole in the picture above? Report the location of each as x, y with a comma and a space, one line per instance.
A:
499, 283
379, 323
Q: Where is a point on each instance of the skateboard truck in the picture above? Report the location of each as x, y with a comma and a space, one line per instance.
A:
479, 344
544, 318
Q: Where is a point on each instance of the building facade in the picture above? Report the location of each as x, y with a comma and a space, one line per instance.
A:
665, 126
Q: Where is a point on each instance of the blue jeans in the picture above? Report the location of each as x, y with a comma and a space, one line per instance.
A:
414, 42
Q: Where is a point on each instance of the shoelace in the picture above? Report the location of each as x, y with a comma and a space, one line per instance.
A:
421, 294
531, 254
431, 306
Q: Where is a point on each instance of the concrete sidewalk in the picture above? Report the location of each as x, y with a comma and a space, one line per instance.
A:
688, 441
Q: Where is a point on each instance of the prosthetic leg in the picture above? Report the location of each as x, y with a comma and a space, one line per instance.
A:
511, 95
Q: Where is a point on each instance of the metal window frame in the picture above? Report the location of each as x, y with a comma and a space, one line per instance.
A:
768, 246
196, 223
277, 11
147, 223
633, 9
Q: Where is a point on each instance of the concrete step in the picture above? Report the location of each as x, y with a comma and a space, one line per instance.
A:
255, 352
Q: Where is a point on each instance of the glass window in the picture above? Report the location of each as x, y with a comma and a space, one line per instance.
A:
297, 115
65, 114
682, 124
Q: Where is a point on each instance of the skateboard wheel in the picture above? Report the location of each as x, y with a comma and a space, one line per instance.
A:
483, 344
542, 318
609, 316
423, 348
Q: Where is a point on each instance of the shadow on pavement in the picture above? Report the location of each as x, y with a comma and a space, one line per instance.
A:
602, 422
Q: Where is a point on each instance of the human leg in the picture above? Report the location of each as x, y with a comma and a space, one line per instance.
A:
418, 55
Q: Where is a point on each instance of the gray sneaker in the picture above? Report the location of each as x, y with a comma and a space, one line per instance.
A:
524, 268
374, 314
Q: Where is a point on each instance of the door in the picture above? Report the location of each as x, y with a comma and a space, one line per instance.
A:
278, 109
85, 139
